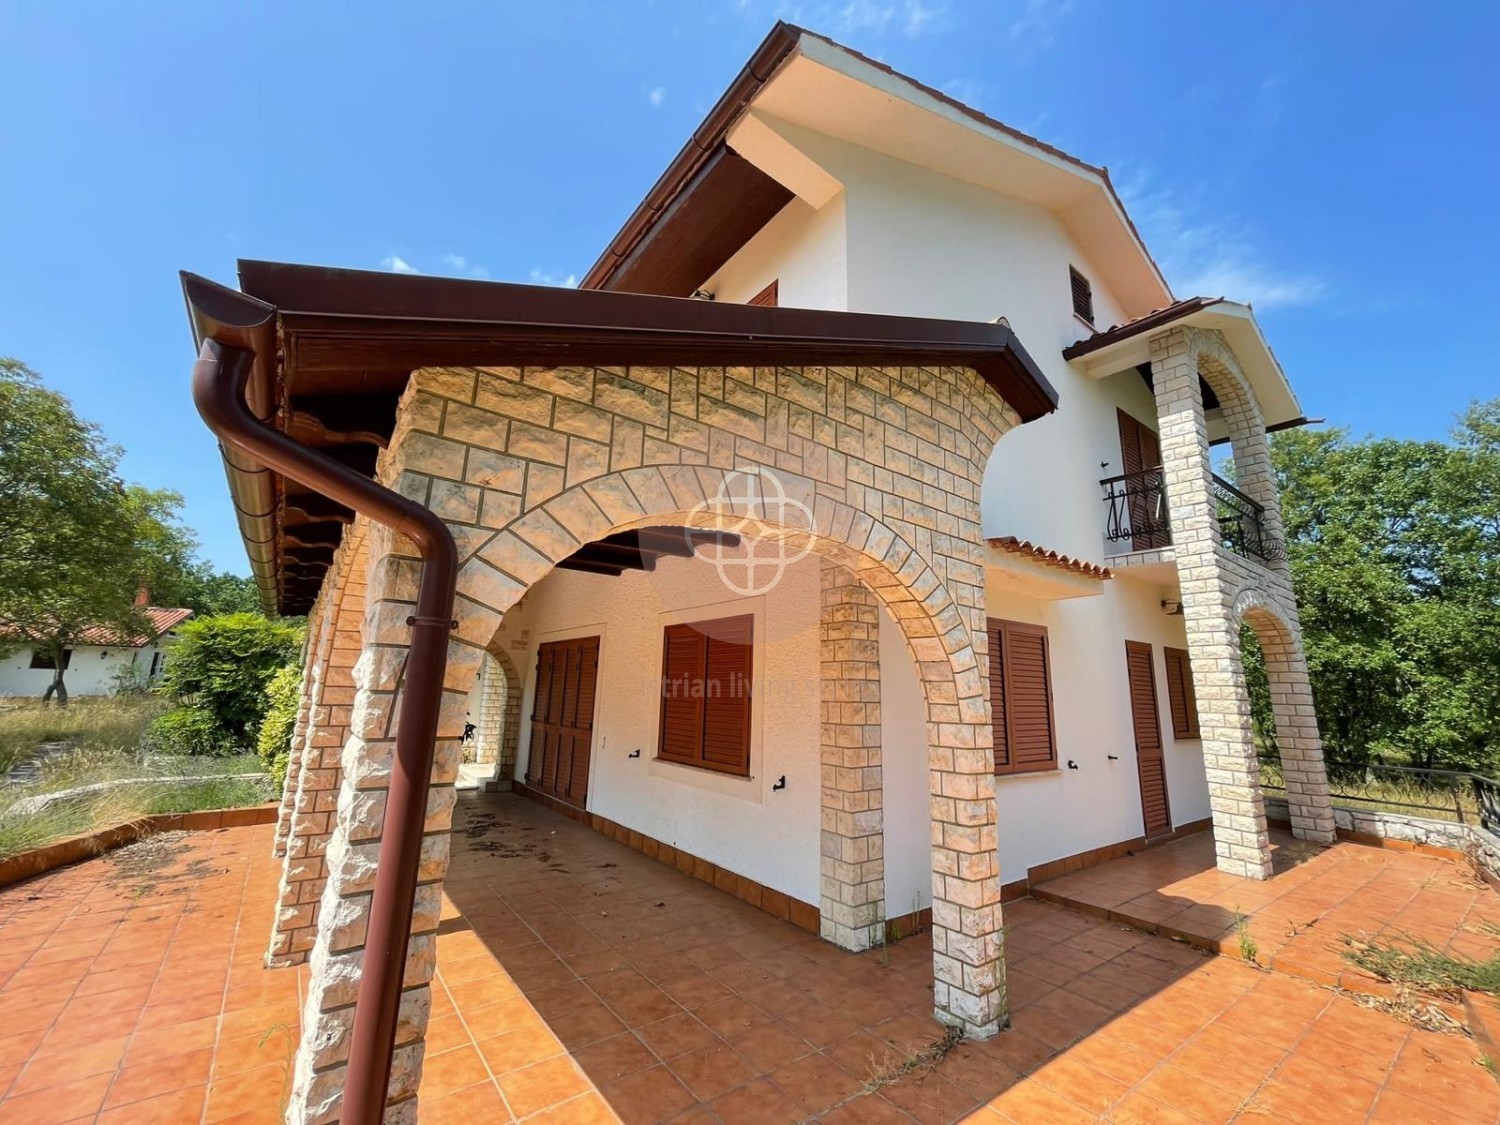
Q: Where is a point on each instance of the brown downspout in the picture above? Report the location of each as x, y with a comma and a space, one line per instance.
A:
219, 381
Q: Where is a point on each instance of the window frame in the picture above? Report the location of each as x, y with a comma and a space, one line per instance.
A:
42, 661
1006, 628
1076, 277
769, 297
1180, 689
700, 760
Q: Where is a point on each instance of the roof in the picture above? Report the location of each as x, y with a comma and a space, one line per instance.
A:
334, 349
1148, 322
159, 620
747, 198
1027, 549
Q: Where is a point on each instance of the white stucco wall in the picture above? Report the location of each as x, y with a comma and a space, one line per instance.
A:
742, 824
802, 249
91, 671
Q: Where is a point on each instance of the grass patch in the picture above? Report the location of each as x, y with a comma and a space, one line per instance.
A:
1380, 791
1411, 961
1249, 951
91, 725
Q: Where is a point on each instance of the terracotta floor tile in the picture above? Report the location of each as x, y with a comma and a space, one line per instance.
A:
587, 1109
928, 1097
648, 1096
58, 1065
676, 1035
614, 1058
1029, 1101
815, 1082
769, 1046
542, 1085
1080, 1083
160, 1076
523, 1047
178, 1106
755, 1103
711, 1071
450, 1071
66, 1102
253, 1090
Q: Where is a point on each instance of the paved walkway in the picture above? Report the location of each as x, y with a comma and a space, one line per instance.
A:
1301, 921
581, 981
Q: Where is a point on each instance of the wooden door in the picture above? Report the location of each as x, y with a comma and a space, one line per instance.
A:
1150, 762
1140, 457
562, 719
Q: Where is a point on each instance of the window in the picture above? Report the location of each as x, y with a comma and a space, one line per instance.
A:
1021, 697
767, 296
1180, 695
705, 694
41, 659
1083, 295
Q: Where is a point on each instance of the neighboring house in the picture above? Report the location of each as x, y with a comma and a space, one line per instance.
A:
100, 663
958, 602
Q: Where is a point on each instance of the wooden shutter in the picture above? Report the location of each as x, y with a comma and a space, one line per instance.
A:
768, 297
1140, 450
1021, 698
706, 679
562, 718
1083, 295
996, 634
1180, 696
1151, 765
683, 661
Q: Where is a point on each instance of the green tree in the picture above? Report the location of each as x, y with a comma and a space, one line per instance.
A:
173, 573
1395, 553
220, 667
71, 557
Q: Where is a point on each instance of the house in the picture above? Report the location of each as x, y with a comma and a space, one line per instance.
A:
100, 663
850, 539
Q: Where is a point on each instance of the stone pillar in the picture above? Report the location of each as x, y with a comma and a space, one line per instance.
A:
305, 870
312, 673
852, 885
1297, 737
1229, 759
353, 850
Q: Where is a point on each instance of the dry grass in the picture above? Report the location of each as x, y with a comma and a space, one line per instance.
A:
1387, 792
107, 724
1411, 961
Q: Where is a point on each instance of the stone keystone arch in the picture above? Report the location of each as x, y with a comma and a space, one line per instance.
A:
528, 464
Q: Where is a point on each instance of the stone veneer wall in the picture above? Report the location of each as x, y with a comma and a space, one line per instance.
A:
1419, 831
1219, 589
499, 720
526, 465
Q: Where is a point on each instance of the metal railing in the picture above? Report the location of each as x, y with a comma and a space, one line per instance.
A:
1137, 514
1137, 510
1242, 523
1467, 798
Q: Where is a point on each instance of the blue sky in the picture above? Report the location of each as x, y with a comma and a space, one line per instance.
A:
1335, 164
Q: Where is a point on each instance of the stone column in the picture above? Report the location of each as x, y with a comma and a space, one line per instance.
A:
852, 885
354, 846
1229, 759
1297, 737
312, 674
305, 870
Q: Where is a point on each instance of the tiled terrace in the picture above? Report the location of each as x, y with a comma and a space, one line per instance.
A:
1299, 920
581, 981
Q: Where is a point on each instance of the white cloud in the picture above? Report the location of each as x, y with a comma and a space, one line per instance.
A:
1038, 21
542, 277
457, 263
910, 18
656, 95
394, 264
1204, 257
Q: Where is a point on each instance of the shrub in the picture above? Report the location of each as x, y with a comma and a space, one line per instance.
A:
274, 743
221, 666
187, 730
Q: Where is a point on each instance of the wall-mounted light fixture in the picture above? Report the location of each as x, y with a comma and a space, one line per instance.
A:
702, 295
1171, 608
780, 782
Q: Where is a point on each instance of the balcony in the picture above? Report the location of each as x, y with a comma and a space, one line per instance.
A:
1138, 518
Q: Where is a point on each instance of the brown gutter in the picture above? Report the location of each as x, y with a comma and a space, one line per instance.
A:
1147, 323
219, 383
772, 51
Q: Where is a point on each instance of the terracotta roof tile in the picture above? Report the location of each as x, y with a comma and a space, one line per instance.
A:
160, 620
1146, 321
1027, 549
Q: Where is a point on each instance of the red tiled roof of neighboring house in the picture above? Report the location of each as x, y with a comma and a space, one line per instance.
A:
159, 620
1144, 323
1028, 549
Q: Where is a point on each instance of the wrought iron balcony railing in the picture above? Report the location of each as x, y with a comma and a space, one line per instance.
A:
1137, 516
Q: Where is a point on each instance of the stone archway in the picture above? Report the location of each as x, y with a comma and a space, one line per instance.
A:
1213, 578
526, 465
498, 719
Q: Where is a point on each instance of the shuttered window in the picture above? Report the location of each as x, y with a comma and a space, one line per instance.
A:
1021, 697
1180, 694
1083, 295
705, 694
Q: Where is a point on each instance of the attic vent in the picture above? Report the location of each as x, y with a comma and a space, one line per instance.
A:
1083, 295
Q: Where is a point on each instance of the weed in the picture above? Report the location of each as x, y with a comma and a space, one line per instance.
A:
1409, 1008
114, 724
924, 1058
1249, 951
1410, 960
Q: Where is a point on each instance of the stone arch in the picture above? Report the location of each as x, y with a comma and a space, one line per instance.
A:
498, 724
941, 622
1297, 738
